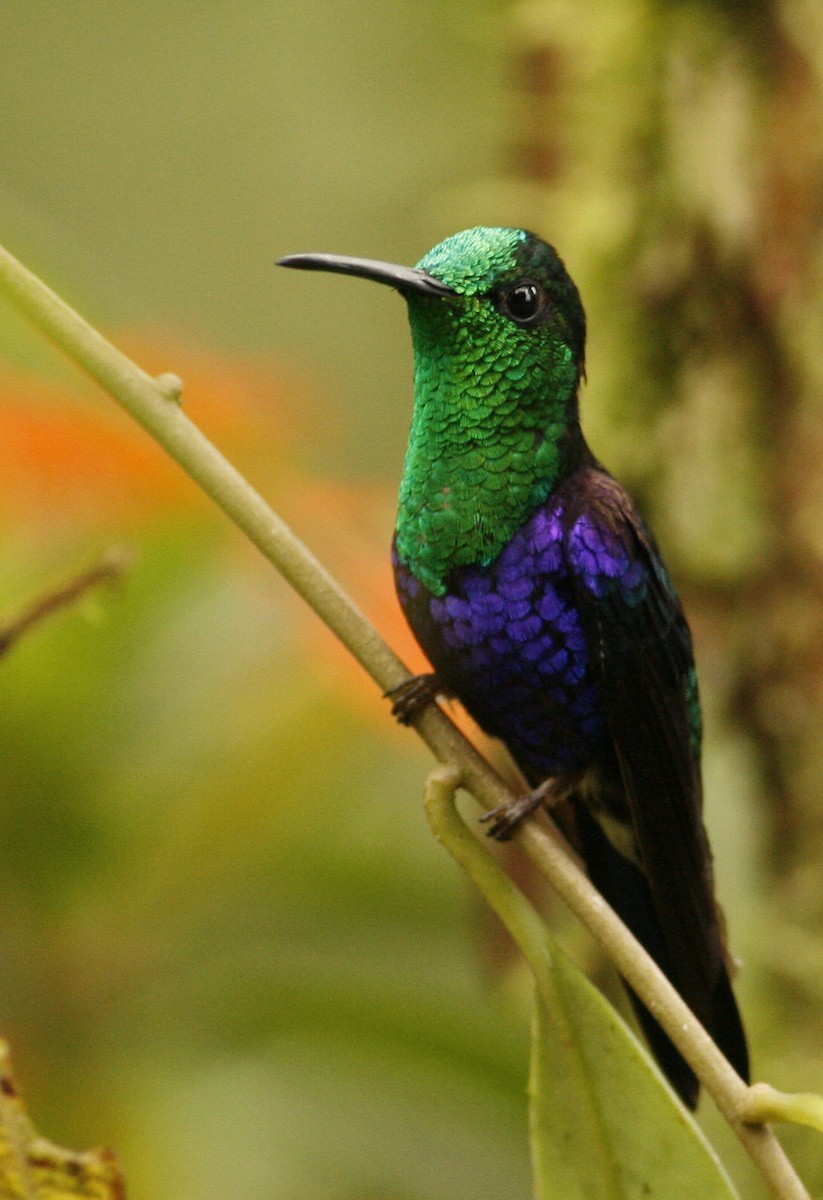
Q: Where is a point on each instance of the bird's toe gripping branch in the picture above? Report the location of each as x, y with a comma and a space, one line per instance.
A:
412, 695
505, 819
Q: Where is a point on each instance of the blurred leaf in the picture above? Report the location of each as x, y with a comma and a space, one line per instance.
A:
32, 1168
604, 1121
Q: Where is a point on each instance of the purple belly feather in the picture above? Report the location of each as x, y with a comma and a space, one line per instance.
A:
507, 639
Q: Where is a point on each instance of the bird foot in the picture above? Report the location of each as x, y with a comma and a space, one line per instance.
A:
507, 817
412, 695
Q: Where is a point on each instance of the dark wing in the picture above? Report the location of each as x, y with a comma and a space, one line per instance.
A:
641, 655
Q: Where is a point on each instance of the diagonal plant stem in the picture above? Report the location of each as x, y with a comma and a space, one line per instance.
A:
155, 405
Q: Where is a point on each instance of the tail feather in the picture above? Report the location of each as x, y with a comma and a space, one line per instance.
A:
625, 887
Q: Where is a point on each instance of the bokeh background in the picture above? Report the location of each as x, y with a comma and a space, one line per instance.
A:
229, 947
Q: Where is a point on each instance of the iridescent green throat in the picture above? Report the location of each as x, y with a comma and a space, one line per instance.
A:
493, 432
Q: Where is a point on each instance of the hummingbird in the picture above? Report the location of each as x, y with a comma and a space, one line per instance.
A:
540, 597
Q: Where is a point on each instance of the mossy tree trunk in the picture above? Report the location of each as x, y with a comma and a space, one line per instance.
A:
674, 153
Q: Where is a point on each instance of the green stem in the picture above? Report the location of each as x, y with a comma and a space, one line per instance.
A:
514, 910
765, 1103
154, 405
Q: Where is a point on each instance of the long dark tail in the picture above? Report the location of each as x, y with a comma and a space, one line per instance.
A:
625, 887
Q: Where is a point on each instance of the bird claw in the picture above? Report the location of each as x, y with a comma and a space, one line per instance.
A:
412, 695
507, 817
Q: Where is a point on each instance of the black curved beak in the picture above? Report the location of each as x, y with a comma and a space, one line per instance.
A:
402, 279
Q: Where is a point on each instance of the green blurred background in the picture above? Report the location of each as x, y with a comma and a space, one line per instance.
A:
230, 948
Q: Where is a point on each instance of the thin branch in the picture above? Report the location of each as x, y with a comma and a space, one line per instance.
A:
111, 566
154, 404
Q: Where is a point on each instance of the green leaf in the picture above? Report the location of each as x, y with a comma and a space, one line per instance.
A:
604, 1122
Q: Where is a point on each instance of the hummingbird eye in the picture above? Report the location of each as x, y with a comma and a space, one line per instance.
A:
525, 302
